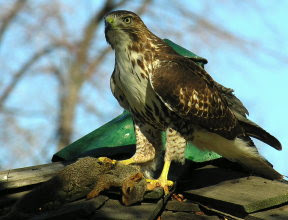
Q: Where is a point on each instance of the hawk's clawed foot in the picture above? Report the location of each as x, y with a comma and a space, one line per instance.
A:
106, 160
162, 181
165, 184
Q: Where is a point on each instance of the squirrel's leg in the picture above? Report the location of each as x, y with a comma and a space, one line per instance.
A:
105, 182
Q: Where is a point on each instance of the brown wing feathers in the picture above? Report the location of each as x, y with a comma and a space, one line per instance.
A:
190, 92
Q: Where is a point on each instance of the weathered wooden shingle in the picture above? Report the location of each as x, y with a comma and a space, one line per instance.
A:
169, 215
174, 205
113, 209
280, 213
233, 192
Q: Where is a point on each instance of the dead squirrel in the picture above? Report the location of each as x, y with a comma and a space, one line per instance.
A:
86, 176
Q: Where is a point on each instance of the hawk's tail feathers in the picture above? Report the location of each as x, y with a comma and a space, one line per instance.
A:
253, 161
236, 150
254, 130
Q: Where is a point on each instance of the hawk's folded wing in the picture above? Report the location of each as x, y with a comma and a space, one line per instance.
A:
190, 92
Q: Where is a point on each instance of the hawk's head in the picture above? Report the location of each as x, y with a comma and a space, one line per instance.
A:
124, 27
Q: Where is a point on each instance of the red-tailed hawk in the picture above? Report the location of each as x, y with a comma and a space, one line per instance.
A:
168, 92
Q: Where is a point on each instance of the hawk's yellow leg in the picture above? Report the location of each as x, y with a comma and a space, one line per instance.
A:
147, 140
162, 181
128, 161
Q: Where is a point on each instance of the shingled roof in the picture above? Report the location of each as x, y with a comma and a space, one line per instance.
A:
211, 191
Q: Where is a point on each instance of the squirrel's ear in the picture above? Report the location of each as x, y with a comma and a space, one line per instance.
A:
137, 177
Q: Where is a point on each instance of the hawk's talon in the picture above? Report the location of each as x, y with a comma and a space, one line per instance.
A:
165, 184
106, 160
162, 181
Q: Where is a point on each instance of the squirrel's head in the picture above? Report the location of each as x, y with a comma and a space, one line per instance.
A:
133, 189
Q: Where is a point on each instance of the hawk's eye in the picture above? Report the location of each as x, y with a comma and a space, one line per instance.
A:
127, 20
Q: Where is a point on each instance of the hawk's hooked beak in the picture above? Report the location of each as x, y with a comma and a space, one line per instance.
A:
109, 25
109, 22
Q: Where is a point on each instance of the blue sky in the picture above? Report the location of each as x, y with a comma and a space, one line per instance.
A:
259, 80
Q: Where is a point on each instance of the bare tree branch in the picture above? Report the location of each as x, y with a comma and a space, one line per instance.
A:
97, 61
6, 21
70, 94
143, 7
19, 74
